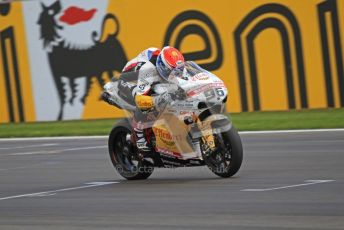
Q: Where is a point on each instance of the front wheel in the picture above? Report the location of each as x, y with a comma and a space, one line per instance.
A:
125, 161
226, 160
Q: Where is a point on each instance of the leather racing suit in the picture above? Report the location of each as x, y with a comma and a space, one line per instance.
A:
145, 65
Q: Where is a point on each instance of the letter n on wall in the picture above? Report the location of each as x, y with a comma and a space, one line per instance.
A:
261, 18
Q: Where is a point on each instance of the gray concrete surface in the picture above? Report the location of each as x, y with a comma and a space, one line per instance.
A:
186, 198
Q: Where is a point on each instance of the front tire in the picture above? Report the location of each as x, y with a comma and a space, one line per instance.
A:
227, 159
123, 157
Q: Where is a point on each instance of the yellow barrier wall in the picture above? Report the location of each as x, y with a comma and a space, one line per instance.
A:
16, 101
272, 55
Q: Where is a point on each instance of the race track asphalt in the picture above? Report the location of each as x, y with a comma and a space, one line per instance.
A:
287, 181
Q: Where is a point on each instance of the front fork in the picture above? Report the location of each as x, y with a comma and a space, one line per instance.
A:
205, 143
207, 136
207, 130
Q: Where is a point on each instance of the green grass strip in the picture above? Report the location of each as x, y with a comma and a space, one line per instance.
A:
304, 119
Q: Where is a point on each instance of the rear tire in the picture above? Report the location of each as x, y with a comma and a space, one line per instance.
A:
125, 161
227, 162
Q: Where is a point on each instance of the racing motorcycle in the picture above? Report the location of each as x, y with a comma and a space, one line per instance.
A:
192, 130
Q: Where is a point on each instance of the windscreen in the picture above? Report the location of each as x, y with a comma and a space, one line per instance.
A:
188, 69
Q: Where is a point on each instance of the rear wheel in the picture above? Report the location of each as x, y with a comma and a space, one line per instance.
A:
226, 160
123, 157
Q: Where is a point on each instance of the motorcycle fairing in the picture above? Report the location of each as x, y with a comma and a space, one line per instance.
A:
172, 139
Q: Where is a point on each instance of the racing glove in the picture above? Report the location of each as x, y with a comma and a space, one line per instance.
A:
148, 103
144, 103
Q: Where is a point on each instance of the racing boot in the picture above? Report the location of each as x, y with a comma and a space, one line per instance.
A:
141, 142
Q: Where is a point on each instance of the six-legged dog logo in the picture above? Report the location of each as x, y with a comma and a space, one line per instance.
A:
69, 60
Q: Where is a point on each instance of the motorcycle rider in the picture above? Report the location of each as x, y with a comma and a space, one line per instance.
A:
153, 66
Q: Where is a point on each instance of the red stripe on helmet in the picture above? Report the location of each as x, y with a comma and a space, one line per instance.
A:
172, 56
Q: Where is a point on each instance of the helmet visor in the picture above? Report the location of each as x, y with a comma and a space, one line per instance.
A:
162, 68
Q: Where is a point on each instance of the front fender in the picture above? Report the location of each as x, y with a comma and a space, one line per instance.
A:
214, 124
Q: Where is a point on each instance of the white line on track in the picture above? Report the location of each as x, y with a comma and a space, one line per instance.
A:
82, 148
56, 151
292, 131
52, 138
30, 146
308, 182
105, 137
53, 192
21, 167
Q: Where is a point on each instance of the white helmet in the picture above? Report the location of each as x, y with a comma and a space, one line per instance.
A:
168, 59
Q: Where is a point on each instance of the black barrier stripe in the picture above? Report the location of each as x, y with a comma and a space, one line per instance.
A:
17, 76
9, 34
322, 8
338, 50
7, 76
241, 72
299, 60
262, 25
253, 71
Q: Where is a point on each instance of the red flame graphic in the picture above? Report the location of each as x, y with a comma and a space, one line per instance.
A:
74, 15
